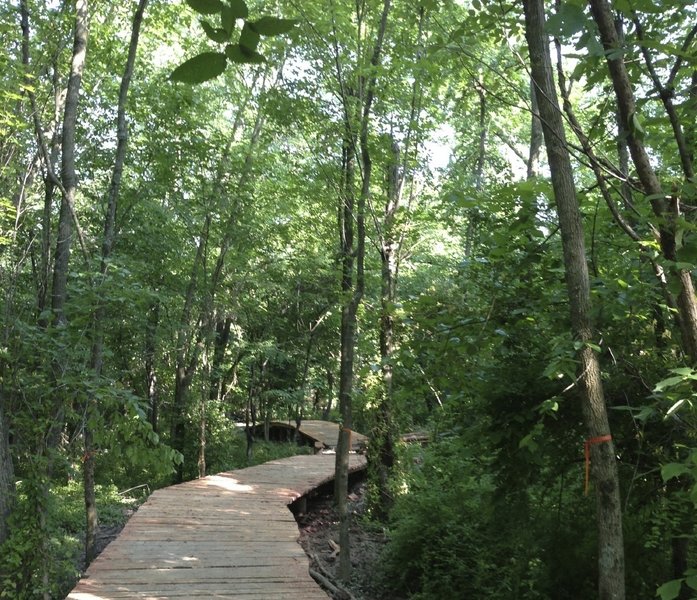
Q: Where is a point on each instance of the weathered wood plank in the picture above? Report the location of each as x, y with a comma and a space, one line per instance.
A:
229, 535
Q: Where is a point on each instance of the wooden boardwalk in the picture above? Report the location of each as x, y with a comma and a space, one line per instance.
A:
224, 536
325, 433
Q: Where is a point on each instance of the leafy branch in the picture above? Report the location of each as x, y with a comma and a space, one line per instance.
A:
208, 65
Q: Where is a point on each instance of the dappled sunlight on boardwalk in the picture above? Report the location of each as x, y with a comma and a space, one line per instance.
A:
229, 535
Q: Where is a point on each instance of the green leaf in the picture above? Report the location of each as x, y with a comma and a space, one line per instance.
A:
200, 68
645, 414
675, 407
239, 9
273, 26
529, 442
206, 7
671, 470
691, 581
249, 38
215, 33
239, 54
670, 590
688, 253
568, 21
684, 372
227, 19
668, 383
635, 126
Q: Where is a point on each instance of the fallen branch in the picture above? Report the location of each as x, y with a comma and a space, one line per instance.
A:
325, 578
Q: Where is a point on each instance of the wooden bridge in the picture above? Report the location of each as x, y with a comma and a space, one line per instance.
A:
229, 535
323, 434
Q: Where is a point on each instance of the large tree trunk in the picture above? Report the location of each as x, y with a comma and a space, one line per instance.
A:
604, 471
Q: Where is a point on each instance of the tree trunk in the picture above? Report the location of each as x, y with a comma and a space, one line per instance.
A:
152, 388
222, 338
353, 293
622, 148
330, 395
202, 426
347, 347
665, 208
473, 216
68, 174
604, 467
536, 137
7, 476
99, 315
383, 438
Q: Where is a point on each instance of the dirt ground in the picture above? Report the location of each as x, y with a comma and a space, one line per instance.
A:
319, 536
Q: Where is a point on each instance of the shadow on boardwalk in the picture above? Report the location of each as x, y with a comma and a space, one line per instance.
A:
229, 535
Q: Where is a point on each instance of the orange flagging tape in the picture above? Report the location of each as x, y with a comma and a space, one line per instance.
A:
587, 451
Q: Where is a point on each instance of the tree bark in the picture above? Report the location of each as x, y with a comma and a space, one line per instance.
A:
347, 350
604, 467
68, 172
7, 475
99, 314
473, 215
536, 137
666, 208
353, 293
151, 384
383, 438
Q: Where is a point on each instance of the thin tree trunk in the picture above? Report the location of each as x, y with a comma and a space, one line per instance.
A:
59, 291
347, 340
330, 395
151, 384
186, 356
622, 148
249, 416
667, 209
350, 309
68, 173
49, 155
604, 467
383, 438
7, 476
203, 416
478, 170
222, 338
99, 315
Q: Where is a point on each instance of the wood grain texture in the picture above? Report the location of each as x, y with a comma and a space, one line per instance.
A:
229, 535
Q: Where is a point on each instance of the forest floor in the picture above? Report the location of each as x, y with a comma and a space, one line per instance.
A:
319, 536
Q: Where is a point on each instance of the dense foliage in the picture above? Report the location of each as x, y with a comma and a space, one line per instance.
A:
209, 273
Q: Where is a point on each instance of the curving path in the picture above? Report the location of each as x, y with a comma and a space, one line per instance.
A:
229, 535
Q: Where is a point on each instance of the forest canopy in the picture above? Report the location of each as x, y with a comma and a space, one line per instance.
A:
474, 220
